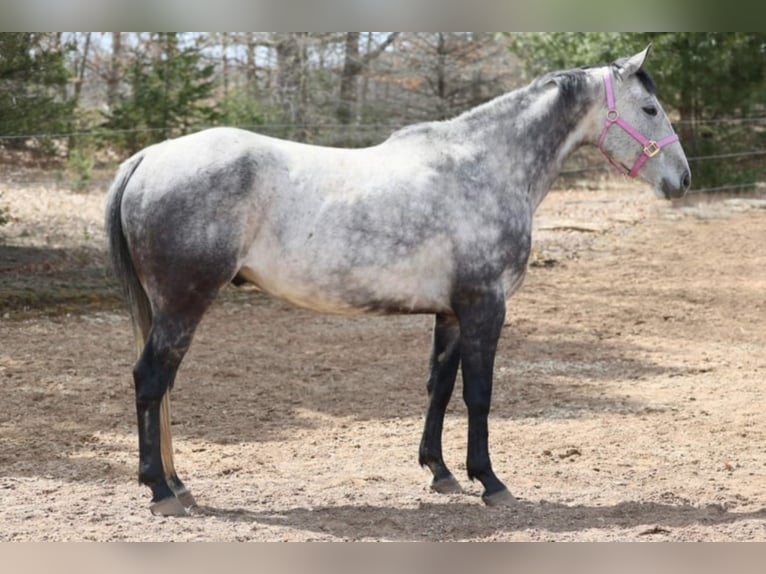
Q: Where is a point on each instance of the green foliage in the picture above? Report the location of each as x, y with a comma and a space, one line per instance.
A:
33, 81
545, 51
239, 108
80, 166
702, 78
171, 94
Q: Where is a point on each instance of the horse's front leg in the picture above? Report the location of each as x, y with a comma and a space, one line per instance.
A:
480, 313
445, 359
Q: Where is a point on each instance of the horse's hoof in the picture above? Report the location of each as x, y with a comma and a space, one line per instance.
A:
186, 499
499, 498
168, 507
448, 485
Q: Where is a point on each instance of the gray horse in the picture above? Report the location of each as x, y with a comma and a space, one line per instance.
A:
436, 219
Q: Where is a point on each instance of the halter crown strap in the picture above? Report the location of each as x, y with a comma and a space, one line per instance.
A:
650, 147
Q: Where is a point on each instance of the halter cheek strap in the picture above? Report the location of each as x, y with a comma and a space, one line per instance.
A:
650, 147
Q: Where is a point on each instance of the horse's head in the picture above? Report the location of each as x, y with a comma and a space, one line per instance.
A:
637, 137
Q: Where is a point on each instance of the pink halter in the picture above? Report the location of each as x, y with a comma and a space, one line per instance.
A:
651, 147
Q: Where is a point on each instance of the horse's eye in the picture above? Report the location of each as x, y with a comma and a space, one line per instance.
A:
651, 110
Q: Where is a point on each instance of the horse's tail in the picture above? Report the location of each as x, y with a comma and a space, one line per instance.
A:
122, 262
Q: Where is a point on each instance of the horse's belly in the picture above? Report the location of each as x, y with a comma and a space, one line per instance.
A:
333, 282
398, 295
296, 292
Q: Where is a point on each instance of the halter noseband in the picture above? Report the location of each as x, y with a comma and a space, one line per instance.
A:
651, 147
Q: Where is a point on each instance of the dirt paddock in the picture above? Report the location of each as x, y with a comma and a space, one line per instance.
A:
628, 403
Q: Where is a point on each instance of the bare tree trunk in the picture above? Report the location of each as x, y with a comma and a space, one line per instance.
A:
80, 69
167, 45
115, 70
353, 65
57, 41
225, 61
441, 75
290, 82
79, 78
365, 78
251, 75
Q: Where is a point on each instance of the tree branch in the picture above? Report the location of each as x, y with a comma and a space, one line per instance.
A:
379, 50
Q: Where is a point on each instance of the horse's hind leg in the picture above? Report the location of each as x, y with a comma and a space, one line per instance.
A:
154, 374
445, 359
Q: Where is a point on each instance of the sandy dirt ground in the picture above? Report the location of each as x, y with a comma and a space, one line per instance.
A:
628, 404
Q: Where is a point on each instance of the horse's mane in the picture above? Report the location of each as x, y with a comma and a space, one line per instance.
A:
569, 82
647, 81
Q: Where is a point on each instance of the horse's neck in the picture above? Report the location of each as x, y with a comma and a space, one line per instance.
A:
534, 130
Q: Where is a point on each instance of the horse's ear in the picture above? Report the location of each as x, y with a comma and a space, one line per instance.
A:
629, 66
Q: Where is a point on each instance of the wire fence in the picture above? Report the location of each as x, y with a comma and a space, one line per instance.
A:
379, 131
742, 120
274, 126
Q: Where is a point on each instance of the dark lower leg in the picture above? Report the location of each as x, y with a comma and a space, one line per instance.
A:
154, 374
478, 463
480, 325
150, 470
445, 359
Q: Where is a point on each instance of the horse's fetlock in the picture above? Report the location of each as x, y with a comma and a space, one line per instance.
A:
427, 458
476, 474
146, 475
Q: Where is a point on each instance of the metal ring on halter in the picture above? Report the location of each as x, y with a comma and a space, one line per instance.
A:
612, 115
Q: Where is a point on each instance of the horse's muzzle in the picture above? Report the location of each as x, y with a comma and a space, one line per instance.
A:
672, 190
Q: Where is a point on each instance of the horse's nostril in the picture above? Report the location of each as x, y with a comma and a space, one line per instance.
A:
686, 180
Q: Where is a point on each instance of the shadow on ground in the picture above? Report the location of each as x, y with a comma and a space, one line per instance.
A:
48, 281
453, 521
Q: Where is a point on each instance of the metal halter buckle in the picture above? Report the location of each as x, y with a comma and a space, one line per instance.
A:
651, 149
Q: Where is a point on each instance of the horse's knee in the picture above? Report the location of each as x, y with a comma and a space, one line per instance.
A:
477, 398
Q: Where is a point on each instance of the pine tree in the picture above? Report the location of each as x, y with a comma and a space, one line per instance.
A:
170, 94
33, 87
